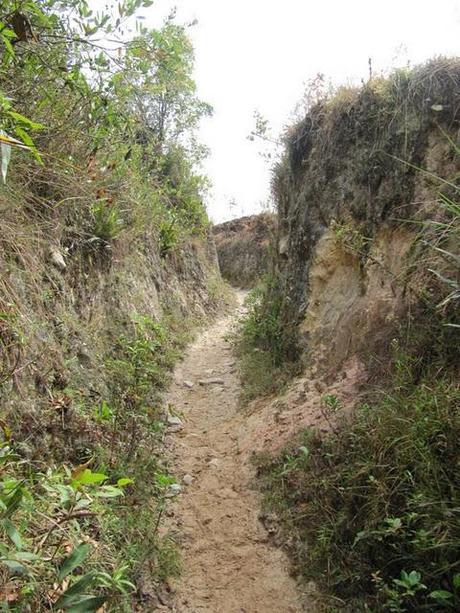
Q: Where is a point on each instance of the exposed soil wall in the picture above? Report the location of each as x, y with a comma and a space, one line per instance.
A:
354, 190
244, 248
63, 312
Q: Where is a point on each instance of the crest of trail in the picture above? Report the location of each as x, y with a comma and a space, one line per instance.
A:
229, 565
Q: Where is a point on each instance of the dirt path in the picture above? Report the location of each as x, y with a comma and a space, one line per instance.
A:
229, 565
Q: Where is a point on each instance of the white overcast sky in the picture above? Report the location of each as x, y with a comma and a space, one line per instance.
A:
257, 55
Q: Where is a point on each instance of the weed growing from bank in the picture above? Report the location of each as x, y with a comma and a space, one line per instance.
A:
261, 343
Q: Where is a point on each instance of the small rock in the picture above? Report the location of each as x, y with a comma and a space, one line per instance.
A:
230, 364
211, 382
188, 384
58, 259
214, 462
173, 490
188, 479
173, 420
209, 372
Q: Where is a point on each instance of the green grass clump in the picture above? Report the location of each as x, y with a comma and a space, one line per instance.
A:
261, 343
373, 511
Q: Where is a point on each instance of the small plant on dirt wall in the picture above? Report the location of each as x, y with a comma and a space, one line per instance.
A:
107, 223
264, 342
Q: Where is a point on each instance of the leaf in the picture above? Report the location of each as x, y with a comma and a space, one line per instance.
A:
109, 491
13, 502
14, 566
441, 595
88, 605
12, 533
27, 140
74, 592
414, 577
9, 46
75, 559
80, 468
124, 481
26, 121
6, 156
456, 581
87, 477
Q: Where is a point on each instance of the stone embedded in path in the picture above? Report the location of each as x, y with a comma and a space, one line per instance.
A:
173, 490
188, 384
173, 420
211, 382
188, 479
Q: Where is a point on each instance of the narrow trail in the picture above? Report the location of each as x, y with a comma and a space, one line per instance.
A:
229, 564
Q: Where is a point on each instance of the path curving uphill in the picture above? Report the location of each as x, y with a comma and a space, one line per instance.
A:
229, 564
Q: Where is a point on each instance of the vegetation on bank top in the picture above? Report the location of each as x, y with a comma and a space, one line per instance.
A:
101, 195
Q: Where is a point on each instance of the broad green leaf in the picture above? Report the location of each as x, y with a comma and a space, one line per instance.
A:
88, 604
12, 533
124, 481
87, 477
75, 559
26, 556
72, 594
25, 120
14, 566
441, 595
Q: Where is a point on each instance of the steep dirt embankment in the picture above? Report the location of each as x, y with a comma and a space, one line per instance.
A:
229, 565
72, 310
89, 331
244, 248
356, 186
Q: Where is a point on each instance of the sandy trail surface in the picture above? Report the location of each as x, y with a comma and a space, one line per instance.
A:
229, 564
